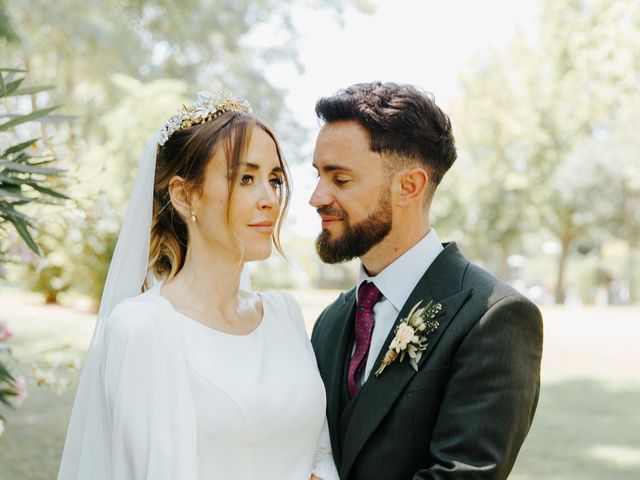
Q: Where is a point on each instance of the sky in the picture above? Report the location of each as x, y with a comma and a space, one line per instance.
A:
424, 42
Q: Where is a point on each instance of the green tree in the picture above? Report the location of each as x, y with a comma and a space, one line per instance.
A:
25, 178
527, 116
207, 44
494, 173
123, 66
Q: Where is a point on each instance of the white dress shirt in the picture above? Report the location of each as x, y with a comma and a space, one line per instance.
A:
396, 282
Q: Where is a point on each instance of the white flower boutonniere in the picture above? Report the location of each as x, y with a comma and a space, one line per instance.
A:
410, 336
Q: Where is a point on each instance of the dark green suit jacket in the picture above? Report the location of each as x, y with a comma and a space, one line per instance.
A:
466, 412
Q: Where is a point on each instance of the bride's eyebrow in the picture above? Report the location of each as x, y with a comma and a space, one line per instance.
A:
254, 166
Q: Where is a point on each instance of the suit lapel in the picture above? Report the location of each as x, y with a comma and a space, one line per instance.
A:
343, 335
442, 283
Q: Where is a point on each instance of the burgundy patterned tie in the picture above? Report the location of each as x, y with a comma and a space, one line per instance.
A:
368, 296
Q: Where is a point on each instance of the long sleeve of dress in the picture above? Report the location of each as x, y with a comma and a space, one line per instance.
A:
323, 464
152, 423
147, 393
132, 418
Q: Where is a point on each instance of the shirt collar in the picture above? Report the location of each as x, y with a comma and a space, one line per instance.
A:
397, 280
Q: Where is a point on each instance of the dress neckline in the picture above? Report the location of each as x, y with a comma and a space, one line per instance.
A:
213, 330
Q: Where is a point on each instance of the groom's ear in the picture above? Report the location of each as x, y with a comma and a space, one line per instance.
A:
180, 195
413, 183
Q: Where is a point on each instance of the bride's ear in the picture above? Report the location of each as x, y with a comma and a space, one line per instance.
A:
180, 195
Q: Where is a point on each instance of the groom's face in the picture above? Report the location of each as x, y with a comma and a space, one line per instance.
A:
352, 196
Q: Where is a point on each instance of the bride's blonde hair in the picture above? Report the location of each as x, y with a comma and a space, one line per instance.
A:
186, 153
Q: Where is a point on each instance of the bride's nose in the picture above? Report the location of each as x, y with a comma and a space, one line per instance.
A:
268, 198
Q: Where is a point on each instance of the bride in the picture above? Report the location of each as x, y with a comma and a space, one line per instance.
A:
199, 377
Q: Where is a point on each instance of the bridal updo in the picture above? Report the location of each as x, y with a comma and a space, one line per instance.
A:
186, 153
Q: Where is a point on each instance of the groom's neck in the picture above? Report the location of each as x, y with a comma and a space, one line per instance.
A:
402, 237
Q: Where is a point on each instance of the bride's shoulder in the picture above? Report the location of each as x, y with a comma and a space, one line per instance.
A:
281, 300
138, 314
287, 306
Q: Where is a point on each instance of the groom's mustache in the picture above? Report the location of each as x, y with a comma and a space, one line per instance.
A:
328, 211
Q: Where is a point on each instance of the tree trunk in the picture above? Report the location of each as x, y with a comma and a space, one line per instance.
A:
631, 272
504, 270
51, 297
565, 242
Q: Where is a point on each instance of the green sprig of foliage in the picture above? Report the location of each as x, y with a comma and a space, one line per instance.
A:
24, 177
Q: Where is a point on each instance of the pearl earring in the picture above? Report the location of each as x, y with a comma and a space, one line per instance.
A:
193, 217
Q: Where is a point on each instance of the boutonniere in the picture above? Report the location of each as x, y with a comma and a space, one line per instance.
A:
410, 336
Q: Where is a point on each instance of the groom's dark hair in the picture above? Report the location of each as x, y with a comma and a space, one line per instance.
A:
402, 120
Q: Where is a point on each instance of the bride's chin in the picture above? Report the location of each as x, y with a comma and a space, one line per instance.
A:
257, 254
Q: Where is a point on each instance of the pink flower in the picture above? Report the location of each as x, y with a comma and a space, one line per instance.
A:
403, 337
20, 389
5, 333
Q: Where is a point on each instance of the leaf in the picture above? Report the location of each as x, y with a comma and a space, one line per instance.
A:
59, 118
46, 162
9, 88
418, 356
21, 227
414, 309
414, 364
29, 117
16, 180
48, 191
32, 90
20, 158
21, 202
5, 375
4, 79
4, 394
12, 193
18, 147
19, 167
419, 315
9, 211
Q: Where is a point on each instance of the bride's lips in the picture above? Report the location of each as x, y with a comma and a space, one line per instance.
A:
263, 227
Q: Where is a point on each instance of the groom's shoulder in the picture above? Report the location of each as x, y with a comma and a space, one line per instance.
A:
490, 290
335, 306
453, 266
482, 280
330, 315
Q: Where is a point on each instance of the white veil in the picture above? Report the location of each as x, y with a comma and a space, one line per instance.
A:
127, 273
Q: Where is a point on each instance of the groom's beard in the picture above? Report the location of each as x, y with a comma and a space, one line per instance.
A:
358, 238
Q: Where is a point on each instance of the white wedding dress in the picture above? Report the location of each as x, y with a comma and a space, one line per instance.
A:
180, 400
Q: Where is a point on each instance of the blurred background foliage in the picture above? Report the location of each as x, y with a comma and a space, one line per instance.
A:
120, 69
547, 189
545, 193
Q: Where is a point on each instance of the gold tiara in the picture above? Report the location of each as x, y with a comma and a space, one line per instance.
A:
206, 107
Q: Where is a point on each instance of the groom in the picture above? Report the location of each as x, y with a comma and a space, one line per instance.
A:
380, 155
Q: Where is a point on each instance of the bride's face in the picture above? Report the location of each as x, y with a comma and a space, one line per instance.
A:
254, 206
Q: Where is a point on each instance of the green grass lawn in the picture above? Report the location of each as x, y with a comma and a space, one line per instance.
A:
587, 425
